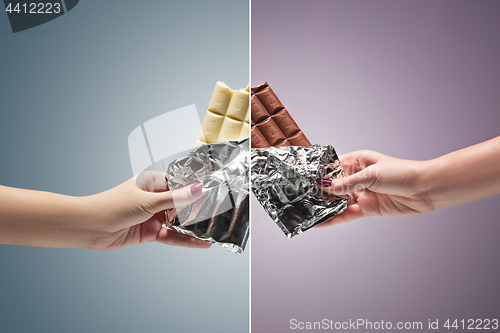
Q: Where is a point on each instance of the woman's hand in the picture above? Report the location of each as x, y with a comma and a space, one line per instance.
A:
379, 185
387, 186
133, 213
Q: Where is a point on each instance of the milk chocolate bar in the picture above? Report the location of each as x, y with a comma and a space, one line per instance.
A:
227, 116
272, 125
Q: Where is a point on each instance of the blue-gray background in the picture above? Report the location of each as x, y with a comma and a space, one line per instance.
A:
71, 91
410, 79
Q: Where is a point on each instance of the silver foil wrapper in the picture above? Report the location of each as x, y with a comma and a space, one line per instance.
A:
284, 182
221, 215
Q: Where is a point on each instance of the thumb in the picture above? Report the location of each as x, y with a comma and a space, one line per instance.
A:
347, 185
159, 201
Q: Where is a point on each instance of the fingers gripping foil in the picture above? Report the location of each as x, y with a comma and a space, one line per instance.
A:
221, 214
284, 182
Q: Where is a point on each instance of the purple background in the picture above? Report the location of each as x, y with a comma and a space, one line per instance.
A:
410, 79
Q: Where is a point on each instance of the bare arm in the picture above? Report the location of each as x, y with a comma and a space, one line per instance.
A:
387, 186
129, 214
465, 175
43, 219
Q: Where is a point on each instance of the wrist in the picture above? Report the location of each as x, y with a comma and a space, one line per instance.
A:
430, 179
89, 220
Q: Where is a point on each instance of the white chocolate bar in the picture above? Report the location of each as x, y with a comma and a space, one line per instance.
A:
227, 117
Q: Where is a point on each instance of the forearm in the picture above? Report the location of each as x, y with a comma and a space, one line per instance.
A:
465, 175
43, 219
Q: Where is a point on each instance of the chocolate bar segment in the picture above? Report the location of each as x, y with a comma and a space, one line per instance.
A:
283, 143
259, 112
271, 131
272, 125
258, 140
299, 139
267, 97
286, 123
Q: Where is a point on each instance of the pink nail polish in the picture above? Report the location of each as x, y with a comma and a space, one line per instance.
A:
196, 189
324, 182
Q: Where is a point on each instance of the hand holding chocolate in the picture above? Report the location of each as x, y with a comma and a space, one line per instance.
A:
221, 162
285, 167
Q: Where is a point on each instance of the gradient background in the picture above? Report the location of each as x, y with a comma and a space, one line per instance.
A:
410, 79
71, 91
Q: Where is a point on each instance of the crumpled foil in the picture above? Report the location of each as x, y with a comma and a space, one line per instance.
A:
221, 215
284, 182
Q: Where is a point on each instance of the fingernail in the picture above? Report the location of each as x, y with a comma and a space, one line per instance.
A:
196, 189
324, 182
